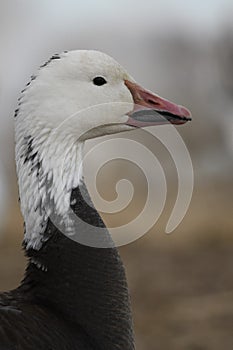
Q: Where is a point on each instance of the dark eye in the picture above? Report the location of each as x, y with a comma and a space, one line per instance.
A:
99, 81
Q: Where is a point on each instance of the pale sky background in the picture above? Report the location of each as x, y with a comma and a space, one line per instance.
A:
205, 12
31, 30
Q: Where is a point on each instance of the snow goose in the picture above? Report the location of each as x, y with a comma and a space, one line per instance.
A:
73, 296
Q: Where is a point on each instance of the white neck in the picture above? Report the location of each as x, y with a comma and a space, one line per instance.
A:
49, 166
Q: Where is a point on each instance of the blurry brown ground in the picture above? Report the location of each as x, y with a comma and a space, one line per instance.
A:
181, 284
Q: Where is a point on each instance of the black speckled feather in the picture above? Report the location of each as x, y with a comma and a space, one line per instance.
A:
72, 297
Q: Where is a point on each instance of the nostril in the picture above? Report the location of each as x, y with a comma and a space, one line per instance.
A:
152, 102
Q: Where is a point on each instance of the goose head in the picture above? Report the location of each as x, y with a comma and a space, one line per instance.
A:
75, 96
89, 94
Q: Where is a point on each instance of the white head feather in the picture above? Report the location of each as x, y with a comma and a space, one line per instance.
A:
59, 110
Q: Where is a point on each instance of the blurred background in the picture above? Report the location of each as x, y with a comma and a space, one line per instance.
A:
181, 284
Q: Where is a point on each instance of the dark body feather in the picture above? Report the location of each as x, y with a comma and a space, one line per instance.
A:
72, 297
